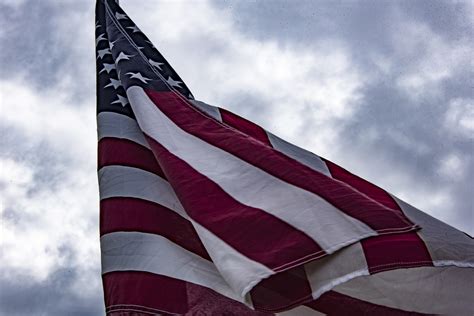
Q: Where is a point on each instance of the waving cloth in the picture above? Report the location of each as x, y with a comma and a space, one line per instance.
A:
205, 212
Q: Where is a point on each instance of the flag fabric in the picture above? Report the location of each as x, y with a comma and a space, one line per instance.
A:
203, 212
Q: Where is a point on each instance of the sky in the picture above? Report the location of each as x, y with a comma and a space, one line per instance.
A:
382, 88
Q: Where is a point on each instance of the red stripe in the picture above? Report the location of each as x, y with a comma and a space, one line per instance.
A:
282, 291
253, 232
130, 214
245, 126
129, 291
118, 151
334, 303
362, 185
155, 292
342, 196
395, 251
391, 251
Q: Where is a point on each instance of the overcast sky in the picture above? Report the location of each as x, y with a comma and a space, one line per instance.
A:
382, 88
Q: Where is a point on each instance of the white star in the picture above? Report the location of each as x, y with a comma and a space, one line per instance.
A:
119, 16
173, 83
137, 75
155, 64
122, 56
114, 82
111, 44
108, 68
103, 52
99, 39
123, 101
134, 28
150, 43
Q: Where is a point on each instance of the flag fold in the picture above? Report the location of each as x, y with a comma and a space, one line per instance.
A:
203, 211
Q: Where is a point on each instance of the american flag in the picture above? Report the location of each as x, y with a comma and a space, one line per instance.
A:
203, 212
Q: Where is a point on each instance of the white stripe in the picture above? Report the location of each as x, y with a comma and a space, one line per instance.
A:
432, 290
445, 243
240, 272
457, 263
135, 251
326, 273
211, 110
110, 124
330, 227
299, 154
117, 181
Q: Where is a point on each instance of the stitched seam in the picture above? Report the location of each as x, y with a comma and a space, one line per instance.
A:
135, 305
401, 263
133, 310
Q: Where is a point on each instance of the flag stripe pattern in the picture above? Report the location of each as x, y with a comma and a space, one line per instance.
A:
271, 162
120, 126
203, 211
137, 251
382, 253
131, 215
259, 225
115, 151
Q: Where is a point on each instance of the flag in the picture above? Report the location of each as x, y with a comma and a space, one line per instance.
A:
203, 212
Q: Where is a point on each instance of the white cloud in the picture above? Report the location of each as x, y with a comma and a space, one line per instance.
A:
48, 180
12, 3
407, 142
459, 118
44, 222
49, 115
16, 174
452, 166
431, 59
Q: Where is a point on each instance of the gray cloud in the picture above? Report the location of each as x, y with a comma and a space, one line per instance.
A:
383, 88
48, 42
53, 296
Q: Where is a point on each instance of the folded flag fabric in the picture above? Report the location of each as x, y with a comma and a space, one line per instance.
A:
203, 212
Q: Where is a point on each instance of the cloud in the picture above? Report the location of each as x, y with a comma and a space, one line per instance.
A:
49, 43
429, 59
55, 295
383, 89
452, 166
459, 117
49, 189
